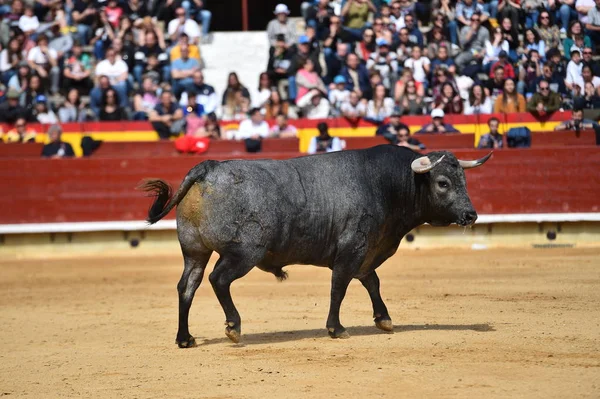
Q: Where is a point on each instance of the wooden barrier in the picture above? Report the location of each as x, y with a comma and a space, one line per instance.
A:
18, 150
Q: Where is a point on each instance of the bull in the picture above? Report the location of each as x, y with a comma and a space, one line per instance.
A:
347, 211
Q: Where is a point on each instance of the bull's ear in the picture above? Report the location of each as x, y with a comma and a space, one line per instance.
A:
476, 163
424, 164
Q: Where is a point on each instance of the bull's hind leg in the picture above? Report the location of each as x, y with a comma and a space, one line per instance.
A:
194, 265
383, 320
227, 270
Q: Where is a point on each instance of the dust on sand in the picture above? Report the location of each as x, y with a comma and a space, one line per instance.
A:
492, 323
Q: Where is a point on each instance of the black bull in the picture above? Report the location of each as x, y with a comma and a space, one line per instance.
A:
347, 211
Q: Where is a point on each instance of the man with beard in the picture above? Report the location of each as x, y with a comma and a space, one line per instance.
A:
587, 60
495, 85
392, 127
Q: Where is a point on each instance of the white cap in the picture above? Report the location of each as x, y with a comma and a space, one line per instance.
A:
437, 113
281, 9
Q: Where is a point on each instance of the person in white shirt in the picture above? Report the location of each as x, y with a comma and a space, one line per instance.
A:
587, 76
254, 128
380, 107
574, 68
44, 114
181, 24
420, 67
324, 142
117, 71
28, 22
353, 108
314, 105
44, 61
339, 94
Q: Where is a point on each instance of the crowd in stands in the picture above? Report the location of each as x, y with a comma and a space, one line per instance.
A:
357, 59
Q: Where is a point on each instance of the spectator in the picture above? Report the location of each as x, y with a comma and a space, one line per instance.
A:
77, 70
280, 61
335, 34
275, 106
338, 94
10, 110
42, 112
420, 67
445, 18
116, 70
510, 33
384, 61
495, 86
414, 34
193, 114
587, 76
478, 103
509, 10
589, 99
335, 61
97, 94
366, 46
318, 17
465, 9
253, 128
281, 25
181, 24
167, 118
136, 10
493, 139
233, 86
282, 128
182, 70
205, 94
356, 14
73, 109
472, 40
557, 82
544, 102
436, 41
575, 32
437, 125
44, 61
533, 42
57, 148
29, 23
443, 61
448, 100
353, 109
493, 48
103, 36
110, 110
510, 101
403, 139
391, 129
593, 21
380, 107
410, 102
198, 11
264, 90
529, 73
10, 59
588, 61
574, 69
531, 9
211, 125
29, 96
503, 61
313, 105
303, 53
21, 133
152, 47
564, 11
577, 123
548, 30
113, 13
324, 142
308, 80
236, 106
145, 100
84, 17
356, 75
193, 50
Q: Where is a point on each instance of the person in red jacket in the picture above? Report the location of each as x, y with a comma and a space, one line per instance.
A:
509, 71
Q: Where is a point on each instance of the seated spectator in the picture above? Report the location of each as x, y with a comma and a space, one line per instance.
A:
403, 139
472, 39
44, 60
116, 70
110, 110
437, 125
97, 94
205, 94
531, 9
575, 34
353, 109
420, 67
275, 106
449, 100
281, 25
545, 101
57, 148
84, 17
264, 91
234, 86
587, 76
211, 125
318, 15
509, 71
236, 106
390, 129
181, 24
103, 36
113, 13
588, 61
380, 107
557, 82
356, 15
155, 70
11, 110
167, 118
153, 47
384, 61
478, 102
338, 94
193, 114
182, 70
308, 80
366, 46
510, 101
410, 102
548, 30
576, 123
193, 49
280, 61
77, 70
145, 100
589, 99
465, 9
493, 139
197, 10
443, 62
529, 72
73, 109
356, 76
335, 60
324, 142
574, 69
21, 133
29, 23
493, 48
42, 112
511, 35
314, 105
533, 42
254, 128
30, 95
436, 41
282, 128
10, 59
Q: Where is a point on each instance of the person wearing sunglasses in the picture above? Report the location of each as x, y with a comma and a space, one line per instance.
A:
545, 101
472, 39
588, 61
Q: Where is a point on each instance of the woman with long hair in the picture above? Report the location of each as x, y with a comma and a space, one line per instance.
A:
275, 106
547, 30
448, 100
264, 90
510, 100
511, 35
110, 110
380, 107
366, 46
20, 80
73, 109
236, 106
10, 58
410, 103
33, 90
493, 47
234, 85
532, 41
478, 103
575, 30
441, 76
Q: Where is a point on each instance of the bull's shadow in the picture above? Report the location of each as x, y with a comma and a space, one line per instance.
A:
356, 331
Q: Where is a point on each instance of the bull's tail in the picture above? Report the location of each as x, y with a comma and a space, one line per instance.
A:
164, 200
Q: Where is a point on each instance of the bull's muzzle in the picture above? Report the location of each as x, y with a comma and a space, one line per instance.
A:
468, 218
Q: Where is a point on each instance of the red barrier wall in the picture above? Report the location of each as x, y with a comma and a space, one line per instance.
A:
541, 180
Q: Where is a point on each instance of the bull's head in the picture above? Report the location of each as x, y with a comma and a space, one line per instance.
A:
446, 188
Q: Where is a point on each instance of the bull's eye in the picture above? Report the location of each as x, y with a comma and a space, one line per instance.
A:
443, 184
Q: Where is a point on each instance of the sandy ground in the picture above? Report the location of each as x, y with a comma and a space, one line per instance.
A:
490, 323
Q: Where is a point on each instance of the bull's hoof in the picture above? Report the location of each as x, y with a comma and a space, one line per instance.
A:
190, 342
385, 325
339, 333
234, 335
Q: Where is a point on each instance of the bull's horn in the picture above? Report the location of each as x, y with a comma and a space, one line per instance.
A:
424, 164
474, 164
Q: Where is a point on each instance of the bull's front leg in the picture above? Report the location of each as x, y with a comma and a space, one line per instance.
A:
340, 279
383, 320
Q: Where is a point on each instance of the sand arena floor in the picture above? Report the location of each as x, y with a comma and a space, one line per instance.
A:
478, 324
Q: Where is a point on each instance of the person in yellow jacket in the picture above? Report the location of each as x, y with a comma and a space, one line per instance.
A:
20, 133
194, 50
